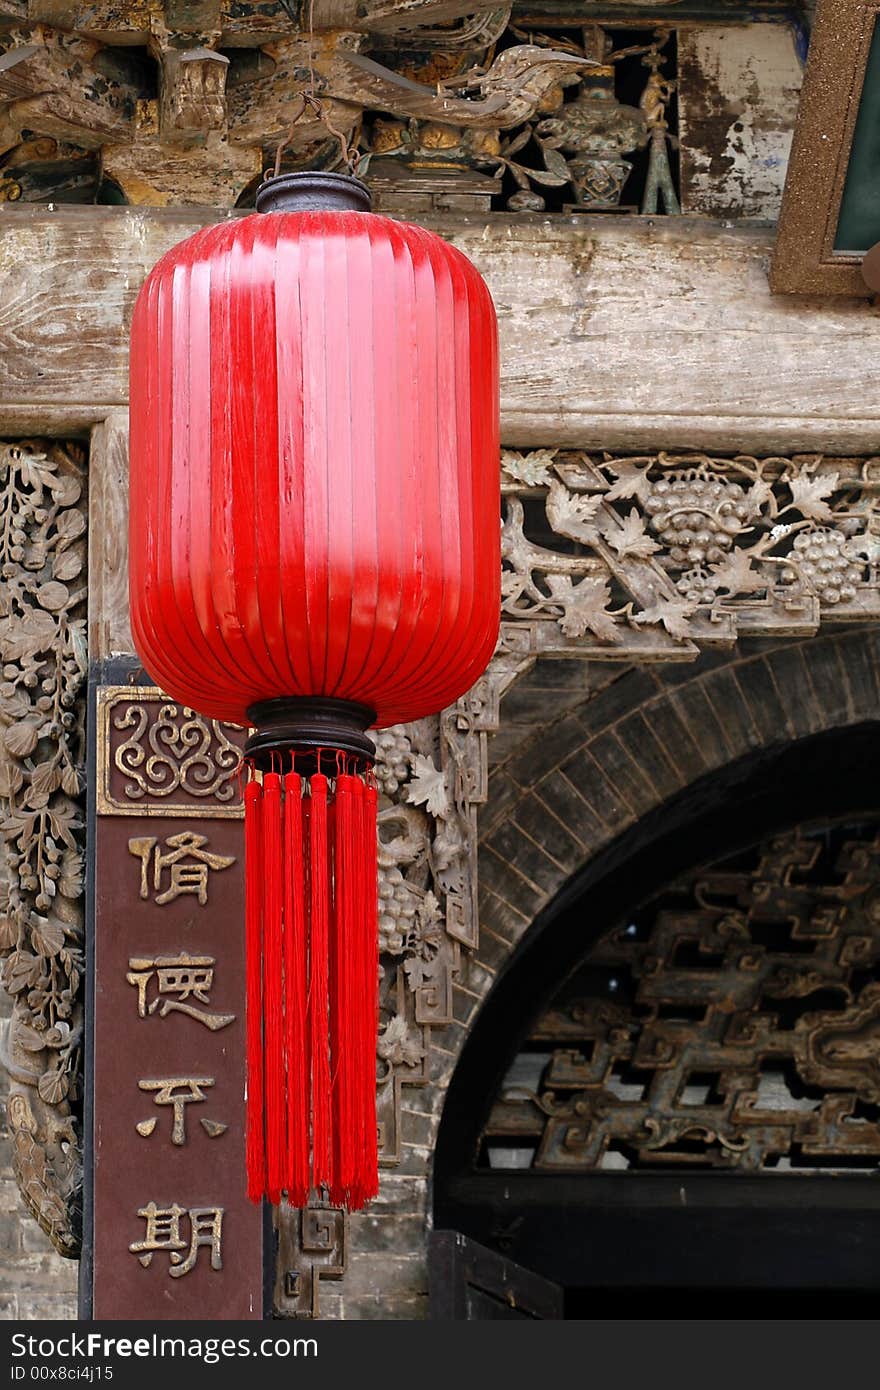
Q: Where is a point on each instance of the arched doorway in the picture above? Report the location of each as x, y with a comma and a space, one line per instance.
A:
674, 1087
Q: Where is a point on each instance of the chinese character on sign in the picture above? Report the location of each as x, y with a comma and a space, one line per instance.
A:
183, 976
186, 864
179, 1092
163, 1234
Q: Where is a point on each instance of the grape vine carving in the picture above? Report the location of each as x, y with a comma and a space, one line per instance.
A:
43, 650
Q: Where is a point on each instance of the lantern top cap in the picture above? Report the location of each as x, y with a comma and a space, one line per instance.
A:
313, 190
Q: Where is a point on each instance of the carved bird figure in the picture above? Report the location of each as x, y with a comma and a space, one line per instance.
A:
510, 92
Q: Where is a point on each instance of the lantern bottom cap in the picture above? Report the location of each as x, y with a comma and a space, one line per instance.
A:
305, 724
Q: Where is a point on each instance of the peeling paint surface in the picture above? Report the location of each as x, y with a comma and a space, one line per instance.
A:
738, 98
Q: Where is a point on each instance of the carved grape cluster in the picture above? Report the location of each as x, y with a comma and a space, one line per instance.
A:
697, 515
397, 910
697, 585
822, 558
393, 758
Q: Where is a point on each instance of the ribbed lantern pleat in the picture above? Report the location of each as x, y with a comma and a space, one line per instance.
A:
161, 572
267, 637
202, 479
290, 435
342, 425
231, 516
247, 511
364, 502
353, 499
396, 461
437, 388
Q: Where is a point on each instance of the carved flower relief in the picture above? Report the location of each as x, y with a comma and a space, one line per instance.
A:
42, 648
399, 1045
414, 802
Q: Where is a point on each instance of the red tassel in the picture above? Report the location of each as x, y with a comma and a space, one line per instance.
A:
364, 967
273, 1021
296, 992
336, 1006
312, 988
255, 1146
319, 1039
343, 1071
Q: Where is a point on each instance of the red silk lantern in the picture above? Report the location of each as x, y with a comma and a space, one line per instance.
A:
314, 550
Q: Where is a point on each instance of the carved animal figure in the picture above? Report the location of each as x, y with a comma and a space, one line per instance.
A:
46, 1164
509, 92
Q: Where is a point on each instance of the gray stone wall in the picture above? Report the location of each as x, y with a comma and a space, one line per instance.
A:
35, 1282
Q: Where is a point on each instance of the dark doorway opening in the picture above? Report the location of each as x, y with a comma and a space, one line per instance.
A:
747, 1182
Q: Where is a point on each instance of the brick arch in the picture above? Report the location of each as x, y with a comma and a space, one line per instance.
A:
631, 744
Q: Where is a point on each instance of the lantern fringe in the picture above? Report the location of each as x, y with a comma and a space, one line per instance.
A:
276, 1117
255, 1144
312, 984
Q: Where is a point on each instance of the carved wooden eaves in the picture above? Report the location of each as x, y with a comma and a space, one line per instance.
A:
78, 76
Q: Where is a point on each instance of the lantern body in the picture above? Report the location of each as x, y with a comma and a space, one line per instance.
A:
314, 467
314, 546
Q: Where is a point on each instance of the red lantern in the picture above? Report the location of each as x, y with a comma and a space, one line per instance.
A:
314, 549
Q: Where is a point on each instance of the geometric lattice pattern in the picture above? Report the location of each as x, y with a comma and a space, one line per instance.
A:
734, 1023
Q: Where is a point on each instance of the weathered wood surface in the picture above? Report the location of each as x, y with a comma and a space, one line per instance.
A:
738, 99
109, 620
629, 332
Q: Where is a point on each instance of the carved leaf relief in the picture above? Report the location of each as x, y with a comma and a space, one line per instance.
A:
688, 546
42, 646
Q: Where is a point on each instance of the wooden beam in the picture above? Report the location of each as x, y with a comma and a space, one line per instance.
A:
109, 623
68, 88
193, 94
108, 21
618, 332
193, 16
152, 175
387, 16
805, 1233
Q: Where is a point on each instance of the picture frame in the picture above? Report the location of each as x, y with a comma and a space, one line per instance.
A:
805, 258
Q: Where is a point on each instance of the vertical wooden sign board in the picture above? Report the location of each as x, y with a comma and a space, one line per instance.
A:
173, 1235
